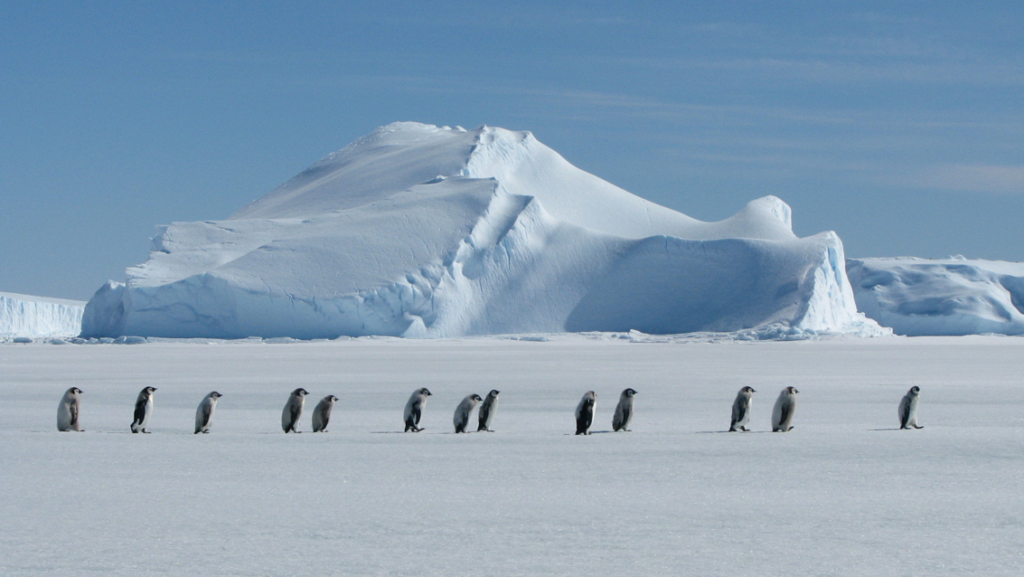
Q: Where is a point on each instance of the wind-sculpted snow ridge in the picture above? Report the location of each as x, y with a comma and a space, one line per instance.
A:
28, 317
953, 296
425, 231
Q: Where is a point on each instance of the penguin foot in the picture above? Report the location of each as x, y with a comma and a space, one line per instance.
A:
918, 426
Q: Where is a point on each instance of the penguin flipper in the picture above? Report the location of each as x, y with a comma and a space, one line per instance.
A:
140, 410
783, 416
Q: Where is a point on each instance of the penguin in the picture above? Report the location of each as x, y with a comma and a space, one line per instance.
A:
461, 418
585, 413
486, 413
293, 410
623, 411
414, 409
143, 410
741, 410
204, 414
322, 413
908, 408
785, 408
68, 410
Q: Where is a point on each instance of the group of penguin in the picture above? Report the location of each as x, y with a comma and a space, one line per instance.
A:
782, 415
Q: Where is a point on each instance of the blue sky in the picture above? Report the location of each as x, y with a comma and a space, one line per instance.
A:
899, 125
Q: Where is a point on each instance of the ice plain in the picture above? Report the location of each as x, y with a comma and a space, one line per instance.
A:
845, 493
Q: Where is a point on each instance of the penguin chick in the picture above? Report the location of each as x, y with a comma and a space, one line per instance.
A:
322, 413
293, 410
414, 409
785, 408
462, 412
69, 409
585, 413
623, 411
908, 409
143, 410
204, 413
741, 409
486, 413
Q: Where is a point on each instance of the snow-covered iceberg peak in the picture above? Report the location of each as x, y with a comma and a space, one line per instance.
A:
427, 231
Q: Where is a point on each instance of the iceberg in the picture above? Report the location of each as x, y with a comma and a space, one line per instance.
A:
954, 296
424, 231
24, 316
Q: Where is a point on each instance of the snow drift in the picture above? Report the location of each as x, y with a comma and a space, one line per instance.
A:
425, 231
953, 296
39, 317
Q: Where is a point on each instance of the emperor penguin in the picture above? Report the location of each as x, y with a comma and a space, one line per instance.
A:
785, 408
68, 410
908, 409
462, 412
623, 411
585, 413
293, 410
741, 409
414, 409
143, 410
322, 413
204, 414
486, 413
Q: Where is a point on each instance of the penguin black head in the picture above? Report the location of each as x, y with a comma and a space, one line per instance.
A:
300, 392
494, 393
75, 391
915, 389
149, 390
476, 398
629, 392
426, 392
748, 390
216, 395
792, 390
332, 398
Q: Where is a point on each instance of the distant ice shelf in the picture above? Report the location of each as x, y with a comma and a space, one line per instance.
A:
425, 231
24, 316
954, 296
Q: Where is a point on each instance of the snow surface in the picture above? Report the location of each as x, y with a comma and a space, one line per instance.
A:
34, 317
953, 296
844, 493
425, 231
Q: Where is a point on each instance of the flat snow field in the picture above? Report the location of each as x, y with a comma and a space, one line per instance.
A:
844, 493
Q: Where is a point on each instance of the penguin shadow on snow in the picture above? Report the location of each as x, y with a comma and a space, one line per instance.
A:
737, 433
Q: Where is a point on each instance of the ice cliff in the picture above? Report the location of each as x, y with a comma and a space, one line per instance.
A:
425, 231
952, 296
37, 317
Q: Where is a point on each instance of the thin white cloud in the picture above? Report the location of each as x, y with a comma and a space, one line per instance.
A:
984, 178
